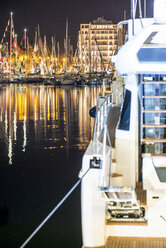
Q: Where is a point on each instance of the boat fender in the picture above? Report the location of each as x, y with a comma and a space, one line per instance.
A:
92, 112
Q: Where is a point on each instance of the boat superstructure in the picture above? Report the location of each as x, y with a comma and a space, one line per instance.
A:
123, 195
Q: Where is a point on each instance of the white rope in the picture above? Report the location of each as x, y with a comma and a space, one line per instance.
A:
53, 211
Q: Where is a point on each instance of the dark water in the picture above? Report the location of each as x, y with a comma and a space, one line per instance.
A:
44, 132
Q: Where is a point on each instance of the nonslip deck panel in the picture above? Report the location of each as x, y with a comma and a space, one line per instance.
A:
135, 242
141, 193
112, 120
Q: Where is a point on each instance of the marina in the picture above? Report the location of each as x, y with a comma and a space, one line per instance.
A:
83, 132
35, 61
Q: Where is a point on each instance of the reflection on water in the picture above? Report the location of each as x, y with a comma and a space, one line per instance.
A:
44, 131
58, 115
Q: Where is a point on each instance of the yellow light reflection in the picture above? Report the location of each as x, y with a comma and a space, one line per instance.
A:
10, 150
53, 111
24, 135
15, 126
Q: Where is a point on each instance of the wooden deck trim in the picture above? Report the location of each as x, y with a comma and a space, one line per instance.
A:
154, 140
153, 97
131, 242
154, 125
155, 155
154, 111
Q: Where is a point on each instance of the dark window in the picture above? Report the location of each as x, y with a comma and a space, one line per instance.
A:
125, 115
152, 54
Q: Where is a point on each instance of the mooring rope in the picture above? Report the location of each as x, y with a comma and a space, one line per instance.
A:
54, 210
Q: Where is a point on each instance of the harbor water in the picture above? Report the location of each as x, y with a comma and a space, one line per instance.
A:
44, 131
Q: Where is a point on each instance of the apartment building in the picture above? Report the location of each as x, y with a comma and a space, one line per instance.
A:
96, 43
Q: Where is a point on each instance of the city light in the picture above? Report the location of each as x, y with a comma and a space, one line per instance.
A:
20, 58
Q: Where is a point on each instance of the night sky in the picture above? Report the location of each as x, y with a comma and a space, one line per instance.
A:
52, 14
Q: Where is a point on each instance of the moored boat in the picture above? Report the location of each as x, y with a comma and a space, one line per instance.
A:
67, 81
123, 196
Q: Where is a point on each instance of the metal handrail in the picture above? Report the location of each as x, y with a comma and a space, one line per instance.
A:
113, 99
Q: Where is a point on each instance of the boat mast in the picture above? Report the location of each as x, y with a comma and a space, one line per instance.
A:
16, 48
25, 47
66, 43
69, 51
25, 43
11, 34
42, 52
81, 49
53, 53
28, 53
124, 15
101, 57
35, 45
90, 69
52, 47
144, 8
58, 53
45, 47
46, 62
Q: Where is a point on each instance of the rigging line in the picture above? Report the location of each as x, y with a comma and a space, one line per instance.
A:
54, 210
101, 57
135, 8
140, 13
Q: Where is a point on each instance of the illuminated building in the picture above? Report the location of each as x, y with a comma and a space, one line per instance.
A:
97, 42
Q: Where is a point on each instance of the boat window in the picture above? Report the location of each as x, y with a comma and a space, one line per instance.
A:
154, 117
152, 54
161, 172
153, 48
125, 115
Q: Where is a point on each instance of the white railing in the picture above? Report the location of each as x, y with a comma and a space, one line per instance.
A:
114, 99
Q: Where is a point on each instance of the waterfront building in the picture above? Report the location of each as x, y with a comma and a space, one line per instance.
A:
97, 42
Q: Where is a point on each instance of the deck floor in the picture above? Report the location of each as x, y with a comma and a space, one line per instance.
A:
141, 194
135, 242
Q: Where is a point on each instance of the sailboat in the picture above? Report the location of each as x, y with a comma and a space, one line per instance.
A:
123, 191
66, 78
